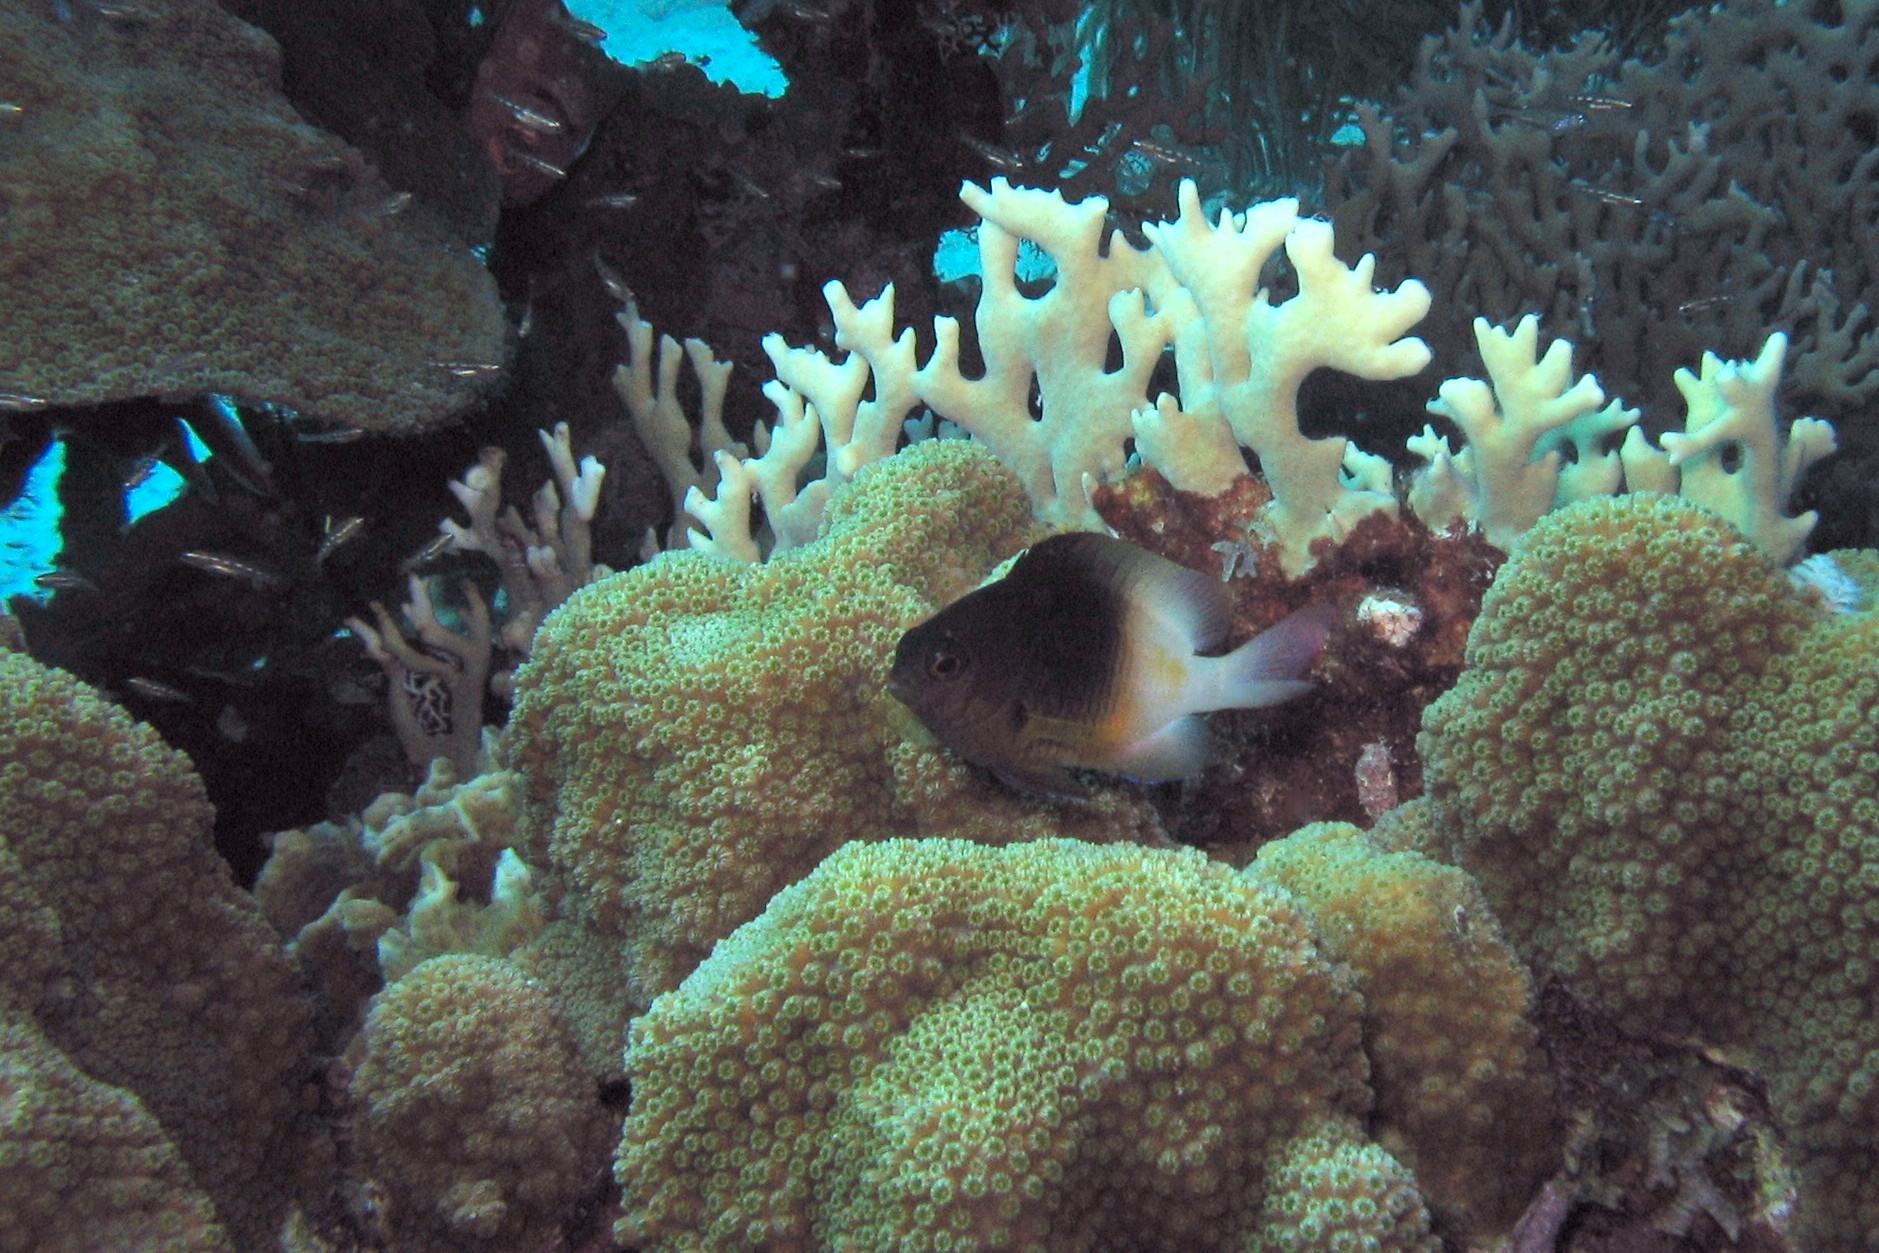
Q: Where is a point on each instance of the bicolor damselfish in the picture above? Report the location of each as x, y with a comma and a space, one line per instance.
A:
1090, 654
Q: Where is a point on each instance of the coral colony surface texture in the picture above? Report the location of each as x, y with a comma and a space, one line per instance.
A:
493, 800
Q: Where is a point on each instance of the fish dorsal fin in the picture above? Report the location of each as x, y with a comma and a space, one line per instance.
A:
1178, 603
1175, 602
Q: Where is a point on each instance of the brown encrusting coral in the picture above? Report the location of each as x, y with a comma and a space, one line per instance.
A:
173, 228
144, 996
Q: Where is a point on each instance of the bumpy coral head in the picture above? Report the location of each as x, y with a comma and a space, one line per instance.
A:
1662, 766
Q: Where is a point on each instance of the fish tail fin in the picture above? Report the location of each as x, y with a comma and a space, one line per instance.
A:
1265, 669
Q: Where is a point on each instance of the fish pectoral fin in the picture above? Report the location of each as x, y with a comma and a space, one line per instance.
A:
1041, 781
1038, 764
1184, 747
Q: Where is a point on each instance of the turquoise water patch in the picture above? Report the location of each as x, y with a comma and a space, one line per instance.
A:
704, 31
29, 529
957, 256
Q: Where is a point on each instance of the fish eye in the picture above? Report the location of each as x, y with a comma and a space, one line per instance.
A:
945, 665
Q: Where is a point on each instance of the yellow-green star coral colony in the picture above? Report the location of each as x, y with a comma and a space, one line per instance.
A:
689, 890
932, 1044
1677, 806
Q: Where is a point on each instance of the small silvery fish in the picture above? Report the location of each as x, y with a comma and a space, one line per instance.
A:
337, 533
998, 158
227, 567
615, 285
529, 118
335, 435
539, 164
1607, 195
150, 689
1163, 154
469, 369
65, 581
586, 32
140, 472
438, 546
1088, 655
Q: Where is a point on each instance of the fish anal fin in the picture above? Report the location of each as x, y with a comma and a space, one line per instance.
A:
1184, 747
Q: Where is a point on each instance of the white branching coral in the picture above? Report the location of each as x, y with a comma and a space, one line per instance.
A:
1063, 388
1731, 457
1259, 353
1062, 392
1047, 403
545, 558
856, 430
822, 406
649, 387
439, 674
1514, 469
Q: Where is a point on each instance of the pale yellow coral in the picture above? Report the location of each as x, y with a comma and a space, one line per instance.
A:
1731, 417
1662, 766
1463, 1094
1731, 457
1513, 469
414, 876
83, 1165
1051, 350
1259, 352
1062, 382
